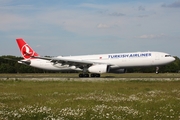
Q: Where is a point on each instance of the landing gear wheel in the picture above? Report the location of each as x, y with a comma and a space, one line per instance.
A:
92, 75
83, 75
98, 75
86, 75
95, 75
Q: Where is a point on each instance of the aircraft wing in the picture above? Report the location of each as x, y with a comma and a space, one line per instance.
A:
70, 62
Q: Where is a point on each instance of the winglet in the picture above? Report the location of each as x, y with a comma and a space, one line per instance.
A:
26, 51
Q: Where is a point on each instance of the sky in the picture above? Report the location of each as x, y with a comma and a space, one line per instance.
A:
79, 27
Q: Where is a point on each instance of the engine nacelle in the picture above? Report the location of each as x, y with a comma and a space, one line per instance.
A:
99, 68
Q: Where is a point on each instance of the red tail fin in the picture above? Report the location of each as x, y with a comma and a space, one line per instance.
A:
26, 51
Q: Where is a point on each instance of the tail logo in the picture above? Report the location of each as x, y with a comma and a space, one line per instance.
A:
27, 52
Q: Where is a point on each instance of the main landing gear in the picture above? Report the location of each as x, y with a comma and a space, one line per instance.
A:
87, 75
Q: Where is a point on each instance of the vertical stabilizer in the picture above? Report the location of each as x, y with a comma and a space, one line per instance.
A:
26, 51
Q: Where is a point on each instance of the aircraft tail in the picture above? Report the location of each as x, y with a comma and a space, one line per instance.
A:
26, 51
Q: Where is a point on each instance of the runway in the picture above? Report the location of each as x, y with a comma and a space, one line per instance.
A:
88, 79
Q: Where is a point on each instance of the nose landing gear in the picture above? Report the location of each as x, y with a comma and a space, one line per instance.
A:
157, 70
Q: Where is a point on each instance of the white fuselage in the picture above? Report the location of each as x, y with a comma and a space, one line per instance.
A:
116, 60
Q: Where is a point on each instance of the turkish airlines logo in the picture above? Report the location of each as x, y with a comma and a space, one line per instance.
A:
27, 52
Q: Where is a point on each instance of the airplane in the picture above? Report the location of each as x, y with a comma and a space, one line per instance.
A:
93, 65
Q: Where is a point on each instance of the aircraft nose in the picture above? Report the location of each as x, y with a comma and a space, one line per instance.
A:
173, 59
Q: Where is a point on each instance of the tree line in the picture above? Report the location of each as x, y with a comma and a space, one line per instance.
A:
9, 64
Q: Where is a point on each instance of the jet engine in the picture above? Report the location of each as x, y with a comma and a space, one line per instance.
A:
101, 68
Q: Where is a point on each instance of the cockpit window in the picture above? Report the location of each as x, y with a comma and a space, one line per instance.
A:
167, 55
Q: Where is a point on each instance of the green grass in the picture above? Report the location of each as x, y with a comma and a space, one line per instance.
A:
100, 100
